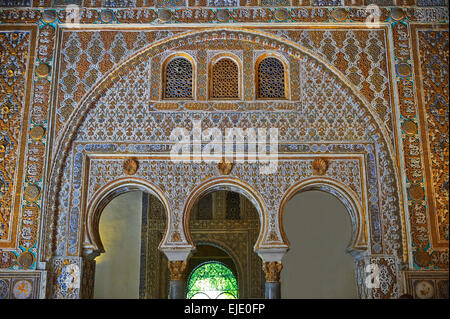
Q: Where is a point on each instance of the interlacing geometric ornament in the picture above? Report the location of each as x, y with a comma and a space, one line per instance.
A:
271, 79
225, 79
423, 177
178, 78
15, 49
323, 116
304, 123
433, 59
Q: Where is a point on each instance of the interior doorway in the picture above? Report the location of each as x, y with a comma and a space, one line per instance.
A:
117, 270
319, 230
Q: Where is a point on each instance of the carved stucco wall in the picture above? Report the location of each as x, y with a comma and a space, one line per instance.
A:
343, 66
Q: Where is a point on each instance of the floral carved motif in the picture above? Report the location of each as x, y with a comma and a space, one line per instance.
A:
272, 270
176, 269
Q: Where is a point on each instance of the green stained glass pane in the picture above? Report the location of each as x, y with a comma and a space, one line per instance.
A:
212, 280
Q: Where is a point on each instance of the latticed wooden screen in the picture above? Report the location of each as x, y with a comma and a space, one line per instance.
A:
271, 79
225, 79
178, 79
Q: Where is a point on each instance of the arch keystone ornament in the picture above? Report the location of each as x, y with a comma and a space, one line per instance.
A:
225, 167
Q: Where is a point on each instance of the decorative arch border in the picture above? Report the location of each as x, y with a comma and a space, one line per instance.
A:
282, 45
90, 231
359, 238
230, 184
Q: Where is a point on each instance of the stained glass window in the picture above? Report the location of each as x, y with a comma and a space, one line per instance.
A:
212, 280
178, 79
271, 79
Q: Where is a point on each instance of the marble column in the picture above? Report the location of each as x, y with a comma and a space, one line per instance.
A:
176, 269
272, 271
272, 266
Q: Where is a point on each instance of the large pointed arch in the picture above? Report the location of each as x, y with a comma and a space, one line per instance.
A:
279, 44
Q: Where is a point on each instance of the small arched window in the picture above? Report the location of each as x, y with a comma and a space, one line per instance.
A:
178, 78
271, 79
225, 79
212, 280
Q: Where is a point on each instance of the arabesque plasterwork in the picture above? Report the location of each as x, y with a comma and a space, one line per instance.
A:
351, 101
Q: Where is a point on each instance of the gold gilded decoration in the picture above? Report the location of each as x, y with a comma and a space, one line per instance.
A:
431, 74
176, 237
397, 14
49, 16
130, 166
273, 236
272, 270
403, 69
410, 127
223, 15
281, 14
225, 79
340, 14
32, 193
176, 269
164, 15
2, 149
422, 258
25, 260
43, 70
225, 167
320, 166
37, 132
106, 16
416, 192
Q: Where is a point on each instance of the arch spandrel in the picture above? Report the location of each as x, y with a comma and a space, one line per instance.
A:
371, 140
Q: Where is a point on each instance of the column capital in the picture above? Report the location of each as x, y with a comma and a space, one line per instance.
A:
272, 270
176, 268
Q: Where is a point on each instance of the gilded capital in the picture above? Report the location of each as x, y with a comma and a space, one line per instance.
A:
272, 270
176, 269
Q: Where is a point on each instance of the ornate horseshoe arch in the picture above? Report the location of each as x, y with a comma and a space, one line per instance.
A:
92, 240
374, 153
230, 184
356, 210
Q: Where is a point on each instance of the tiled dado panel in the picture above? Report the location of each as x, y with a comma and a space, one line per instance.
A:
22, 285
